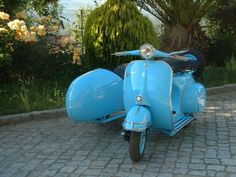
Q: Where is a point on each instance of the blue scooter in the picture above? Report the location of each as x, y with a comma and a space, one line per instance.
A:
158, 92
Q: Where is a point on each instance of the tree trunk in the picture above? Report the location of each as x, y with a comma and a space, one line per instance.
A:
177, 37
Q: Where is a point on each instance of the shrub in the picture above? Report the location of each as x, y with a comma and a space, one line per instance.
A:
221, 48
215, 75
29, 47
77, 28
222, 32
22, 30
117, 25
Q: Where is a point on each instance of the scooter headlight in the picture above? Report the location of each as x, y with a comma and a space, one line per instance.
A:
146, 51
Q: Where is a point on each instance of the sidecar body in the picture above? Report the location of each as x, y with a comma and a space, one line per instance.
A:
95, 96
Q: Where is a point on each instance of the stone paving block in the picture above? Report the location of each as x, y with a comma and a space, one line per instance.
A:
165, 175
49, 173
211, 173
231, 169
56, 166
211, 161
181, 171
61, 175
232, 175
197, 166
149, 174
67, 169
216, 167
20, 173
228, 161
198, 172
221, 174
92, 171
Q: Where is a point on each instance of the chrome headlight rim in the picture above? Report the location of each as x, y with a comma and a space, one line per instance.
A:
146, 51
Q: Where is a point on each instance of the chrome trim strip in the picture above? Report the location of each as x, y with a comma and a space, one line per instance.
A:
171, 82
129, 122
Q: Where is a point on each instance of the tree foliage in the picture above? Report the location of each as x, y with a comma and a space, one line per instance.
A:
12, 6
117, 25
77, 29
224, 15
180, 17
222, 32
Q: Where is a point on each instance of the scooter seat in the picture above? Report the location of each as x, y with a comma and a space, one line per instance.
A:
180, 66
177, 66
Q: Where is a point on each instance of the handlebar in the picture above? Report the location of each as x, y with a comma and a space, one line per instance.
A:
156, 54
127, 53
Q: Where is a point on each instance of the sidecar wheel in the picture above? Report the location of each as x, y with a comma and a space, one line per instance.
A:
137, 144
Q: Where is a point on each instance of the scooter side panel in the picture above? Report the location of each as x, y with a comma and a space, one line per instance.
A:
94, 95
180, 82
152, 82
194, 99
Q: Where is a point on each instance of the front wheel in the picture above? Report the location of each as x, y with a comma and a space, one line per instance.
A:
137, 144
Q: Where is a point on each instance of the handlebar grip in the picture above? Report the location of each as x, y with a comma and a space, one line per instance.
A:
119, 54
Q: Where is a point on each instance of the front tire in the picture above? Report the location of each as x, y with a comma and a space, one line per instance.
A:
137, 144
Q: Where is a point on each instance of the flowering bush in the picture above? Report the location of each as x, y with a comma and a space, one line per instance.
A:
24, 29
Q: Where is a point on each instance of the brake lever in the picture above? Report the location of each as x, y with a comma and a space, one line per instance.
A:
177, 57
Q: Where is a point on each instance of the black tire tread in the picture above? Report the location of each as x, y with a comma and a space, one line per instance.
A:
134, 142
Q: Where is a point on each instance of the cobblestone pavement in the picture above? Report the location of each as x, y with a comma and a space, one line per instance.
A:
59, 147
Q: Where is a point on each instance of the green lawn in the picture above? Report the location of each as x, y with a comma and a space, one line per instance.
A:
216, 76
30, 96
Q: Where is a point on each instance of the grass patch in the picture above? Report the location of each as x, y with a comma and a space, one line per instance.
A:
26, 96
216, 76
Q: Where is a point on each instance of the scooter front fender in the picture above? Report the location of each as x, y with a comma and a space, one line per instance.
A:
138, 119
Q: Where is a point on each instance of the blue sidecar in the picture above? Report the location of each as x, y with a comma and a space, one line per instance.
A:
159, 92
96, 96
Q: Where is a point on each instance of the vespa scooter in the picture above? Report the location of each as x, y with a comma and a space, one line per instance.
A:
156, 97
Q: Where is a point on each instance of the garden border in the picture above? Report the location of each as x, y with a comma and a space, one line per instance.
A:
61, 112
35, 115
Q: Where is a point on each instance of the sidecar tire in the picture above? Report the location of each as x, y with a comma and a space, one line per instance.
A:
136, 153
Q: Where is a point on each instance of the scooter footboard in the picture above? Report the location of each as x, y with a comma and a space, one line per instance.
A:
94, 95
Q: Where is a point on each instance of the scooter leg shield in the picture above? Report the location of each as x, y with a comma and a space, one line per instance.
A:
138, 119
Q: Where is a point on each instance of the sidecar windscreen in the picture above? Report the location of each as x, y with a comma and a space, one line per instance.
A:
120, 70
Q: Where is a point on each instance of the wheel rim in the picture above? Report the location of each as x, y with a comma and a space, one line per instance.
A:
142, 142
